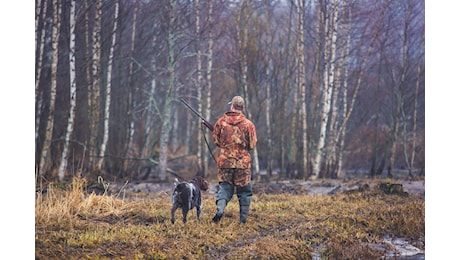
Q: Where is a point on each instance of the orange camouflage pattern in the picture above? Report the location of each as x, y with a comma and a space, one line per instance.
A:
235, 135
237, 177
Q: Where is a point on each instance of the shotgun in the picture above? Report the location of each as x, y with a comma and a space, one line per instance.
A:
203, 120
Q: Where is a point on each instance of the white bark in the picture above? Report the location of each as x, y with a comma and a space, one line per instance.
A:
301, 84
329, 57
73, 94
243, 42
94, 94
199, 90
149, 133
41, 44
131, 100
168, 100
399, 113
341, 132
209, 57
414, 122
44, 163
108, 92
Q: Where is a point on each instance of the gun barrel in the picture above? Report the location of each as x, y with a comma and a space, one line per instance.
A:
206, 123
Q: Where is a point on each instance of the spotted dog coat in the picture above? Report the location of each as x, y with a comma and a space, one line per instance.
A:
187, 195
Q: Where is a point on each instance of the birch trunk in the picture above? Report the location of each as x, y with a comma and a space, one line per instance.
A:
44, 158
316, 73
268, 64
341, 134
414, 122
132, 90
268, 119
149, 132
331, 139
301, 86
329, 58
108, 92
209, 57
88, 75
94, 93
292, 144
285, 146
199, 82
167, 107
38, 7
399, 115
39, 64
243, 42
73, 94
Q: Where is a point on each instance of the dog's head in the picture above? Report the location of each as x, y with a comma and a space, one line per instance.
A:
201, 182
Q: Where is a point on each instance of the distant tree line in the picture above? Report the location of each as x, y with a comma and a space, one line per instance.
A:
331, 85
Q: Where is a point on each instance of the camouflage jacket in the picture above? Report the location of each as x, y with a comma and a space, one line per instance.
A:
235, 135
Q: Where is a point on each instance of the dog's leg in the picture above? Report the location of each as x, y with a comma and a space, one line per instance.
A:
184, 214
173, 211
199, 207
198, 211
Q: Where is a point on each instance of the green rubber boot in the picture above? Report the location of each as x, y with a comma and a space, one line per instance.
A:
220, 210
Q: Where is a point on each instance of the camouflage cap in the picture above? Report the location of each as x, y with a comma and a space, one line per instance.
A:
237, 102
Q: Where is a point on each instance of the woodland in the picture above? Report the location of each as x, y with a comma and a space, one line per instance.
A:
332, 86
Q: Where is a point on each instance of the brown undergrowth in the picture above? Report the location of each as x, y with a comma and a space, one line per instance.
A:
71, 224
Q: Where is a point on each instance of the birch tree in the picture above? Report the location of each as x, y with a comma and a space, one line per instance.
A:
73, 94
209, 67
287, 140
94, 93
45, 154
108, 90
316, 71
414, 122
301, 84
327, 88
40, 44
199, 88
131, 99
399, 113
242, 36
340, 137
268, 68
149, 132
170, 92
332, 138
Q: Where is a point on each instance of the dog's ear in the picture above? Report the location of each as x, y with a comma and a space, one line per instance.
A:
205, 185
176, 181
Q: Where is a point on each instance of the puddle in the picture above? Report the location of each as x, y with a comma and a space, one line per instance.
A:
397, 248
401, 249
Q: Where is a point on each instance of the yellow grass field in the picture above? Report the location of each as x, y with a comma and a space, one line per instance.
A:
71, 224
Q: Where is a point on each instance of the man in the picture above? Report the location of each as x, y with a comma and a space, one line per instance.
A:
235, 135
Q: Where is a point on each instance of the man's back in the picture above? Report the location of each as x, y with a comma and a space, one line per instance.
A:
235, 135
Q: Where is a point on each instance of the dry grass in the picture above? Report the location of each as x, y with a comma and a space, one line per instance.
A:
75, 225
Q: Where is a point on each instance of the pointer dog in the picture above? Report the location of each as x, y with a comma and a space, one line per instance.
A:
187, 195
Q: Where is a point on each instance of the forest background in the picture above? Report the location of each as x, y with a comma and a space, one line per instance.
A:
332, 86
442, 44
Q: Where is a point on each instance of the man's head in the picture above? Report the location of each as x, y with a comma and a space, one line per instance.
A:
237, 102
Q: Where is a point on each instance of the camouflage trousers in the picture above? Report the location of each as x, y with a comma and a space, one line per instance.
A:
234, 176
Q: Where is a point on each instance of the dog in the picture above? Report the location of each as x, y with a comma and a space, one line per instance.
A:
187, 195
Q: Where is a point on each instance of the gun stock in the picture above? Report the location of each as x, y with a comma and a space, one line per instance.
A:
203, 120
